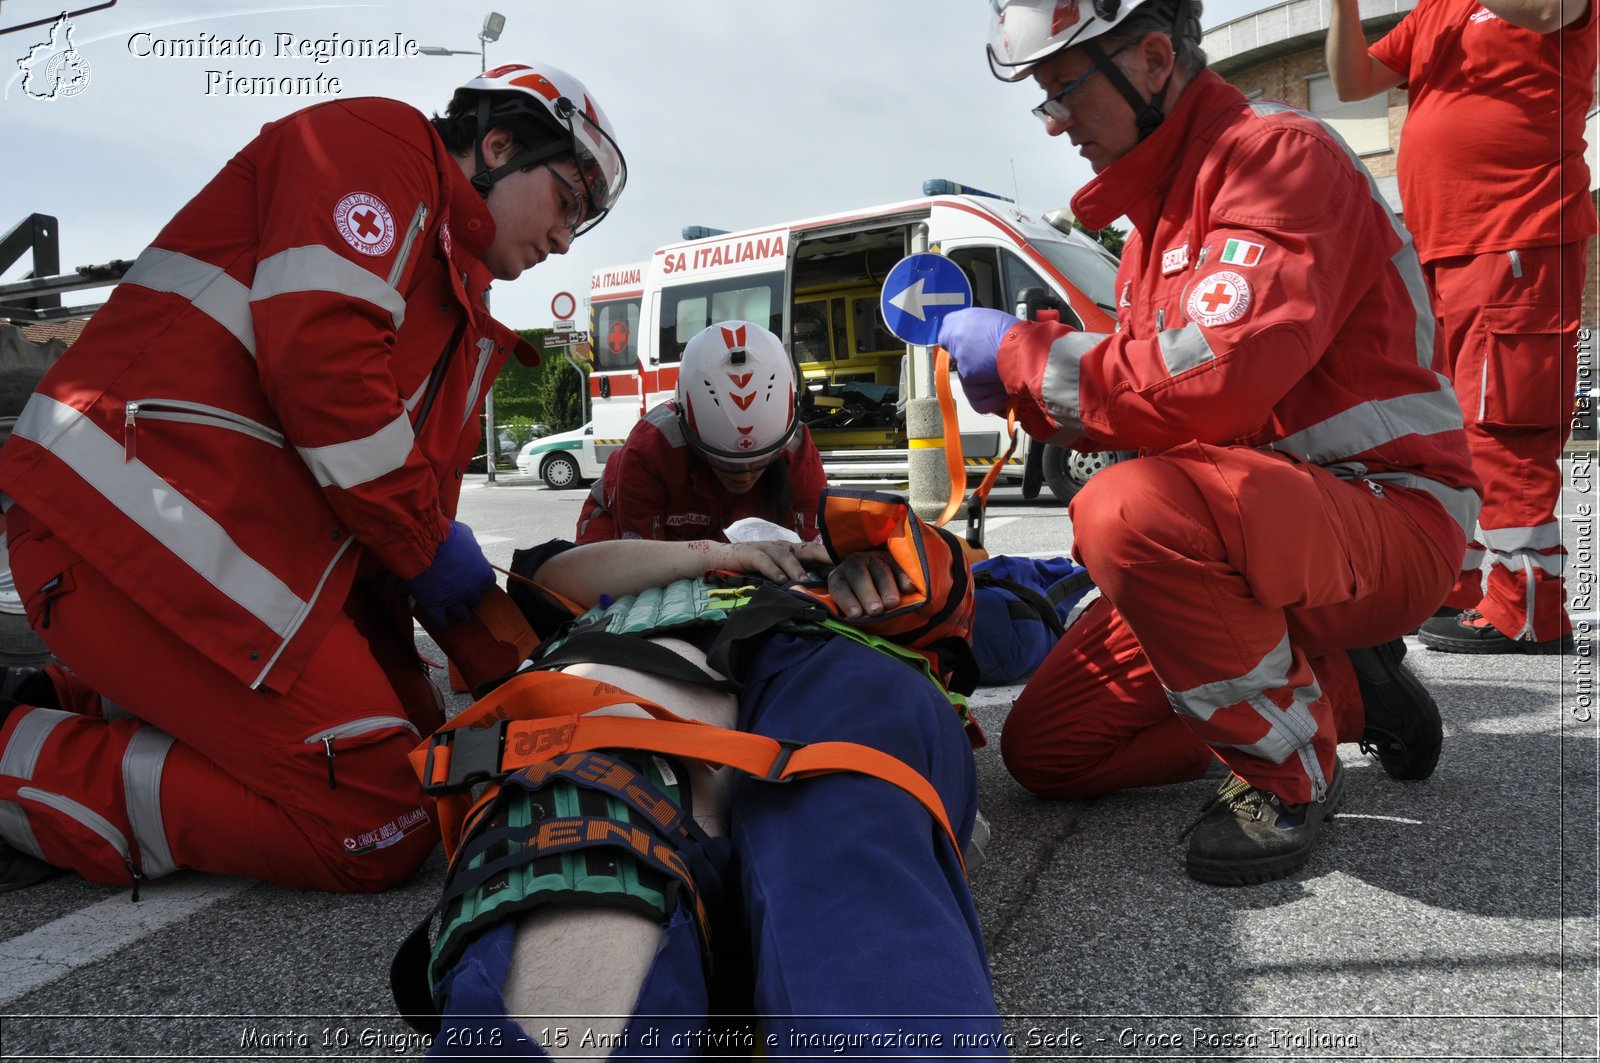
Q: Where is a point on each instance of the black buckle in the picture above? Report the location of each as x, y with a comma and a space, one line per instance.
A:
474, 758
775, 772
975, 517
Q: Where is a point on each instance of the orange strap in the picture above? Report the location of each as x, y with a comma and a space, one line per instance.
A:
541, 715
954, 460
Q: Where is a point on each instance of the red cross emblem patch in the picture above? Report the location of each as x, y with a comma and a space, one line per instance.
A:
1219, 298
365, 223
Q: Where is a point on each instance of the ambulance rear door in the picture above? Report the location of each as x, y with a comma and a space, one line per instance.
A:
616, 392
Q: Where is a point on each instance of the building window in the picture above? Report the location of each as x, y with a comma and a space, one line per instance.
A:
1364, 124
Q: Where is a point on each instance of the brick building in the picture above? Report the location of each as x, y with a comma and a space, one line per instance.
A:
1277, 54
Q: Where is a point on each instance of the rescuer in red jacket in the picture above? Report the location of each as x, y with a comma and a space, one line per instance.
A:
1302, 486
728, 446
1496, 189
222, 497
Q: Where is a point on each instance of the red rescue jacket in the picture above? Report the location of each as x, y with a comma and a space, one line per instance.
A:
655, 488
1267, 298
237, 428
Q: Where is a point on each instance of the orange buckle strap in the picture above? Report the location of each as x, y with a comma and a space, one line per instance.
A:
530, 719
955, 462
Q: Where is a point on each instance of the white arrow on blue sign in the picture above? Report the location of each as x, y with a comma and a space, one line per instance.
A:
917, 294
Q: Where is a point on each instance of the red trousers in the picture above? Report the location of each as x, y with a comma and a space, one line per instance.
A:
1232, 582
1508, 339
186, 767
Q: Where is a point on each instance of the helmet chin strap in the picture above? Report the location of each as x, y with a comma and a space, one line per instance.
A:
484, 178
1147, 113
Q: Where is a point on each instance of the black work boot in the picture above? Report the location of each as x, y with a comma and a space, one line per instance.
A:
1245, 835
1470, 632
1402, 720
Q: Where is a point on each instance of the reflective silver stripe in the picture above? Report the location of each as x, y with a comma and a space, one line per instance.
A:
315, 268
209, 288
1553, 564
360, 461
17, 760
1203, 701
1183, 348
155, 506
1404, 260
1287, 729
1462, 503
665, 420
1374, 424
1473, 558
82, 815
485, 348
1059, 387
1505, 540
142, 764
21, 754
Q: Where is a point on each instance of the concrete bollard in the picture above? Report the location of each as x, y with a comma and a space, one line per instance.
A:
929, 476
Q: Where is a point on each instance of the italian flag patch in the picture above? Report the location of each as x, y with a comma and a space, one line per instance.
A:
1241, 252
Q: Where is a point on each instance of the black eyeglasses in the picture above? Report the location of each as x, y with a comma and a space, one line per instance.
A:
1056, 106
572, 200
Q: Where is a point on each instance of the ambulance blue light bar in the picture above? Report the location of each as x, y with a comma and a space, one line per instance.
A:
700, 232
938, 186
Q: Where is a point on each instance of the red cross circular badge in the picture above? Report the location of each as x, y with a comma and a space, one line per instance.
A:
1219, 298
365, 223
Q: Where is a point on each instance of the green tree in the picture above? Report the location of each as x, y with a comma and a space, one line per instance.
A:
1110, 237
549, 394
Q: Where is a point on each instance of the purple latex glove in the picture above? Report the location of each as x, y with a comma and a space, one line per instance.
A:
455, 581
972, 336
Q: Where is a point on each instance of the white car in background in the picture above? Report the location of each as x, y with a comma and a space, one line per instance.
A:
565, 459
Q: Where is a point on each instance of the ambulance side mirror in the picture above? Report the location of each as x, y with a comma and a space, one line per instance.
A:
1030, 301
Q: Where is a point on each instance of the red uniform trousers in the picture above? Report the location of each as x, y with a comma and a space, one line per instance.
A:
1509, 343
1233, 581
191, 768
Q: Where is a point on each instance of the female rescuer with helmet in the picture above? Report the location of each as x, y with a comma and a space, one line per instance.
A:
222, 497
728, 446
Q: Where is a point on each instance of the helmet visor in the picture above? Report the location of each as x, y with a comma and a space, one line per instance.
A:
600, 163
1024, 33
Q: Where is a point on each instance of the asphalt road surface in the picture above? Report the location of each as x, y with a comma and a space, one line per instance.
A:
1444, 920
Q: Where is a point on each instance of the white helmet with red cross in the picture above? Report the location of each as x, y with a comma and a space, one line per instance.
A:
736, 395
562, 104
1024, 33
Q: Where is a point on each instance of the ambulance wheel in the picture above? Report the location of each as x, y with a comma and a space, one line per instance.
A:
1054, 467
560, 471
1066, 471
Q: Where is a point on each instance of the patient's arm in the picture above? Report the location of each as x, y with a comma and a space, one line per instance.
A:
628, 566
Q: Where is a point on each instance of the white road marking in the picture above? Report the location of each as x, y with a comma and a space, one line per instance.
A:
52, 951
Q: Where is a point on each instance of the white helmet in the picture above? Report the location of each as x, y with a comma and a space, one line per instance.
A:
1023, 33
736, 395
560, 102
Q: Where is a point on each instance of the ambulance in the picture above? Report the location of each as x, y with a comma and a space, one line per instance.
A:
817, 283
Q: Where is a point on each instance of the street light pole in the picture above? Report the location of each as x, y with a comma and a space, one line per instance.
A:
493, 25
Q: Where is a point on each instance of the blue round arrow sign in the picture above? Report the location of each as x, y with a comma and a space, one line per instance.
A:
919, 292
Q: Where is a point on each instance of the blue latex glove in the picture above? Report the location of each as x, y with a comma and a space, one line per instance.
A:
972, 336
455, 581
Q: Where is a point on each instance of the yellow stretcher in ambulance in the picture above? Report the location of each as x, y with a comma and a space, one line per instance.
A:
817, 284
